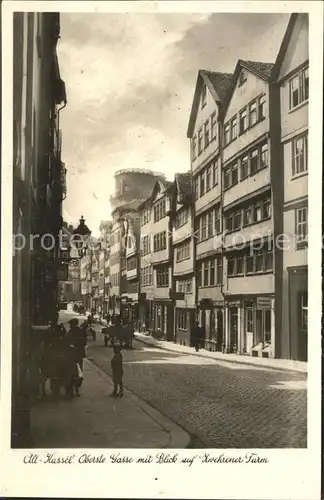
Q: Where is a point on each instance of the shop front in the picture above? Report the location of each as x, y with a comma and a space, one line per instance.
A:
185, 320
249, 326
163, 320
211, 318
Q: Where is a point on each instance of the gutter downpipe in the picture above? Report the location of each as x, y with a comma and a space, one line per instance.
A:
220, 135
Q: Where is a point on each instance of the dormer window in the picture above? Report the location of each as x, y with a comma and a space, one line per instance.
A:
203, 96
242, 78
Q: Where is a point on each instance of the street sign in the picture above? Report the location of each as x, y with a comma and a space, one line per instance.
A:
264, 302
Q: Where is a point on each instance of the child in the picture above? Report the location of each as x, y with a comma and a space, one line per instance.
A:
117, 371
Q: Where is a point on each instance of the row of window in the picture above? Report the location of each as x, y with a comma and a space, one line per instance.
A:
251, 261
249, 116
159, 241
159, 210
206, 179
162, 277
184, 286
245, 216
208, 224
147, 276
210, 272
248, 164
182, 251
182, 217
115, 279
206, 134
131, 263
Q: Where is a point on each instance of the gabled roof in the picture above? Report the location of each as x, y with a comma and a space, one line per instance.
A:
260, 69
184, 185
217, 83
167, 186
284, 45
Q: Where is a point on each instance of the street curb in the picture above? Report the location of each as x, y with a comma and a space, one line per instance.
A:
235, 361
178, 437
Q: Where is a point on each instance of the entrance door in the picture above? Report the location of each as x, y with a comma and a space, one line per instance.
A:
219, 331
303, 320
233, 324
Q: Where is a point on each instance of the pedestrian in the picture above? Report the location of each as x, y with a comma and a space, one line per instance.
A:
197, 336
117, 372
77, 338
89, 319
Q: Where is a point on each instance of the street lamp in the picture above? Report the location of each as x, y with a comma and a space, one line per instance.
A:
81, 234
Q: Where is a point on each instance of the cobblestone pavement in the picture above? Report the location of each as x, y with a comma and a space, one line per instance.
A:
222, 405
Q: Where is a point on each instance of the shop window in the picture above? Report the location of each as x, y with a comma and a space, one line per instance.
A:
267, 325
249, 326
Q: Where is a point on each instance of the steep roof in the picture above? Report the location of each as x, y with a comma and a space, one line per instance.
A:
184, 184
284, 45
260, 69
220, 82
166, 184
217, 83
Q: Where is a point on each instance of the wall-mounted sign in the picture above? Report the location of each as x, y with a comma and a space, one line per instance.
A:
264, 302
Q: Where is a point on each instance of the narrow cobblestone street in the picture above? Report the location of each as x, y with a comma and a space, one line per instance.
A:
220, 404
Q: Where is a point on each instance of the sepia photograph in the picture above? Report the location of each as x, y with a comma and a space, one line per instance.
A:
160, 228
190, 284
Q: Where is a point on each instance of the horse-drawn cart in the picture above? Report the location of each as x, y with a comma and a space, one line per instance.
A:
121, 335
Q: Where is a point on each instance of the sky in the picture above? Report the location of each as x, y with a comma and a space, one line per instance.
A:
130, 81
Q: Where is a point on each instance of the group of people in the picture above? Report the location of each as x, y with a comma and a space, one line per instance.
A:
62, 358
